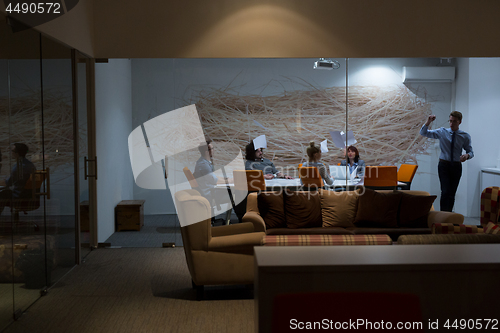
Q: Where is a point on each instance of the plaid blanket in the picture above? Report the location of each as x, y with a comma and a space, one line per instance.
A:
316, 240
449, 228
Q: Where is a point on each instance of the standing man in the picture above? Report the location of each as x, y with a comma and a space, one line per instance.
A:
451, 141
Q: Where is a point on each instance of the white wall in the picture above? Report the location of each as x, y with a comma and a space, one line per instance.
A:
462, 104
113, 125
440, 94
162, 85
153, 92
483, 124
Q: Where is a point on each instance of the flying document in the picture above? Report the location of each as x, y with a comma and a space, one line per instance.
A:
164, 147
260, 142
324, 148
339, 138
259, 124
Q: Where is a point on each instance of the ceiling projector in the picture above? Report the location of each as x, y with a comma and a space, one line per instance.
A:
329, 64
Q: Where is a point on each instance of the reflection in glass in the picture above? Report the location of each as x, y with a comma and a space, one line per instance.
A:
23, 124
37, 229
6, 241
83, 152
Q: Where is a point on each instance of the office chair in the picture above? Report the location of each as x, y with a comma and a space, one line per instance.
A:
381, 177
245, 182
32, 193
406, 173
310, 178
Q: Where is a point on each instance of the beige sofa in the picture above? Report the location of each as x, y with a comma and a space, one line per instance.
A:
215, 255
360, 212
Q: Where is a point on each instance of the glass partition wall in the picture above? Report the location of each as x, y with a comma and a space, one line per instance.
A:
38, 223
292, 104
237, 100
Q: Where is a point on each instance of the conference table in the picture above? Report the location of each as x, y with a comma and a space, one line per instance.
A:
294, 184
274, 184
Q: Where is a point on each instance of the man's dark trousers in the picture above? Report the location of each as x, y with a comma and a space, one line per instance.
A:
449, 177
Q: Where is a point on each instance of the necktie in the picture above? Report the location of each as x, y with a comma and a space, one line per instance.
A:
452, 145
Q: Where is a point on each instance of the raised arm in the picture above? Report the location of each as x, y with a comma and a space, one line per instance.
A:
424, 131
325, 174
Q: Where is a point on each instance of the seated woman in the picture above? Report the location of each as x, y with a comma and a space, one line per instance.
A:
352, 159
314, 154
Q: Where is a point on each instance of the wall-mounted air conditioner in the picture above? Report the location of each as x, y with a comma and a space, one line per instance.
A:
428, 74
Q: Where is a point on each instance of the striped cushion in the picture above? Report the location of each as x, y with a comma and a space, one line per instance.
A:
448, 239
449, 228
490, 204
297, 240
492, 228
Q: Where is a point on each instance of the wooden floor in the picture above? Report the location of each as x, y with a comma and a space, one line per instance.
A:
136, 290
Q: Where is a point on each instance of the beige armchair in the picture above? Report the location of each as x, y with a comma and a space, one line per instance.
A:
220, 255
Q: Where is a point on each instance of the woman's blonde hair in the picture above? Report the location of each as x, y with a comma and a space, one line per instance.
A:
311, 150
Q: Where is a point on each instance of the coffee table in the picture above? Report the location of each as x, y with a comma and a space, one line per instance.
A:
450, 281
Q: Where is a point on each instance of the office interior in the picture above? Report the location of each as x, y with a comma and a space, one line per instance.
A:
74, 95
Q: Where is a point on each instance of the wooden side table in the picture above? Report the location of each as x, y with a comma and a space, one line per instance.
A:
129, 215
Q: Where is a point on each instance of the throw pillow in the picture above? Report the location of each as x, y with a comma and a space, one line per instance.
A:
414, 209
271, 209
450, 228
492, 228
302, 209
338, 209
377, 209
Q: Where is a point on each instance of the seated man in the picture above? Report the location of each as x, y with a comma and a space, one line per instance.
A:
206, 178
19, 175
204, 170
255, 161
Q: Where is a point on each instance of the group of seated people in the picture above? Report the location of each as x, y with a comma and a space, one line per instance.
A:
207, 180
256, 161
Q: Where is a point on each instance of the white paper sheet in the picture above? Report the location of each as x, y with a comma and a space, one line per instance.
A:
324, 148
350, 138
260, 125
339, 138
260, 142
353, 173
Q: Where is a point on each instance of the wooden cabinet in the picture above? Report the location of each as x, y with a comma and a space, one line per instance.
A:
129, 215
